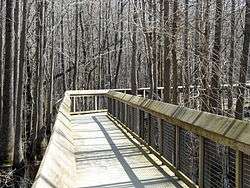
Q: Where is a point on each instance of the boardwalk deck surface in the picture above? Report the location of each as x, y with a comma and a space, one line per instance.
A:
106, 157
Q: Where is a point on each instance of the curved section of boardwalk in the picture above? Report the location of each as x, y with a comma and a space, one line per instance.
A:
106, 157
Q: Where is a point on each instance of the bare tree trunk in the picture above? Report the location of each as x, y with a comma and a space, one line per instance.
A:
62, 48
1, 60
134, 52
148, 41
196, 53
154, 52
75, 76
205, 62
51, 83
232, 55
174, 53
186, 57
36, 83
19, 162
167, 62
215, 99
16, 52
119, 62
7, 127
41, 139
160, 46
239, 112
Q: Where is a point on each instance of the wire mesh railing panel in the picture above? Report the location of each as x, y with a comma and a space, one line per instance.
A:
117, 109
246, 171
141, 124
129, 113
146, 124
122, 110
232, 164
213, 164
114, 107
154, 133
168, 142
189, 155
103, 103
110, 105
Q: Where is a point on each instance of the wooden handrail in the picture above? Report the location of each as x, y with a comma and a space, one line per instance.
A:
224, 130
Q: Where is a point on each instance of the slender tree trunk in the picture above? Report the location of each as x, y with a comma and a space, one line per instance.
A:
196, 53
19, 162
232, 55
51, 83
62, 48
167, 62
186, 56
154, 52
41, 139
215, 99
239, 112
134, 51
174, 53
75, 77
36, 83
119, 62
16, 53
1, 60
7, 127
205, 62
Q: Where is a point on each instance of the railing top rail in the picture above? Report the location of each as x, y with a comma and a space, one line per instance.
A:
73, 93
225, 130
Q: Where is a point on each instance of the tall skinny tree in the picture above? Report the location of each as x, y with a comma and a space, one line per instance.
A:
134, 52
243, 67
215, 79
7, 127
167, 62
19, 153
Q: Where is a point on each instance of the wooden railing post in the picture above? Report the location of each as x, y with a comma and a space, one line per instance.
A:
125, 114
96, 102
201, 162
238, 169
74, 104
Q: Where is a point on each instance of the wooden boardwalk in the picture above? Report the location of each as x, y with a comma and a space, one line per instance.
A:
106, 157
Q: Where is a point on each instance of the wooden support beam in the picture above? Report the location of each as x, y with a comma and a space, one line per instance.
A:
96, 102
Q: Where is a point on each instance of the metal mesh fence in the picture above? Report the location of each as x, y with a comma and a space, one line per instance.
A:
168, 142
219, 162
114, 107
141, 124
213, 170
146, 125
122, 110
154, 133
219, 165
129, 115
189, 155
231, 163
246, 171
110, 105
